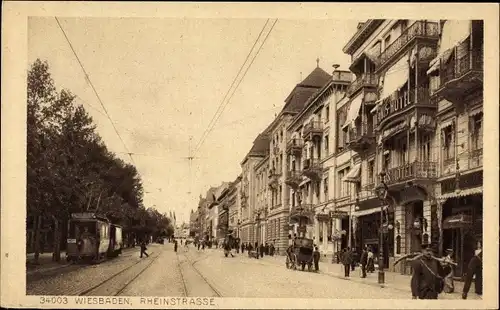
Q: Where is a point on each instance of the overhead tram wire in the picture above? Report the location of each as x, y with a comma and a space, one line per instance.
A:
93, 88
231, 86
236, 88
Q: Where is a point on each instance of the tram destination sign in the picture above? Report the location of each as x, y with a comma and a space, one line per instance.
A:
338, 214
83, 215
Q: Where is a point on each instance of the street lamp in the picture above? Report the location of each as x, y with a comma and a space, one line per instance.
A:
381, 191
257, 219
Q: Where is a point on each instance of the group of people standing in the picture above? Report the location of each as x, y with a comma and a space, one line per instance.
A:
350, 259
262, 249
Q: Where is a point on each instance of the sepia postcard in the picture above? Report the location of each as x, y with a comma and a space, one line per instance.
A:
249, 155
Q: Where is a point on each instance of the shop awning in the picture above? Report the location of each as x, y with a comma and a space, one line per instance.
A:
367, 211
304, 182
461, 193
457, 221
353, 112
395, 77
354, 175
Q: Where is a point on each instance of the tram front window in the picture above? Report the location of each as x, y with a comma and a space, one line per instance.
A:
78, 230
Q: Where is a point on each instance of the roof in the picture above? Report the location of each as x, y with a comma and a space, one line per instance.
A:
363, 31
316, 79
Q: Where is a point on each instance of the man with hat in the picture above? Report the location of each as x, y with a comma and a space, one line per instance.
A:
475, 268
427, 279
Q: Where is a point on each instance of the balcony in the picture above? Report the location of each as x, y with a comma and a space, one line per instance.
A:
294, 146
402, 102
361, 138
476, 159
462, 74
303, 214
421, 30
367, 80
312, 169
274, 178
293, 178
413, 172
312, 129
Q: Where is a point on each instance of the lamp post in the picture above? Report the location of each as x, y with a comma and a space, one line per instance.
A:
257, 219
381, 191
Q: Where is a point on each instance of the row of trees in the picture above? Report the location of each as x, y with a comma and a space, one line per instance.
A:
69, 168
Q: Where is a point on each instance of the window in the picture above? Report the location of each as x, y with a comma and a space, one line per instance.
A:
387, 161
403, 151
344, 186
371, 172
448, 143
327, 113
387, 41
476, 132
325, 188
341, 134
425, 148
326, 144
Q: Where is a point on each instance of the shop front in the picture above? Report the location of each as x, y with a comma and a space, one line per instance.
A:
462, 218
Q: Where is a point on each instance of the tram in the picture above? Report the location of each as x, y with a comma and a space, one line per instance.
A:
92, 238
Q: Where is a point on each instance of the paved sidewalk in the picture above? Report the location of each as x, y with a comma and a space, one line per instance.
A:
393, 280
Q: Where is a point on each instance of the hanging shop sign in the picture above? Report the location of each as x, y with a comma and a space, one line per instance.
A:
339, 214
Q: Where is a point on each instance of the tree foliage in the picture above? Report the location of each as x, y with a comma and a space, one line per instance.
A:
70, 169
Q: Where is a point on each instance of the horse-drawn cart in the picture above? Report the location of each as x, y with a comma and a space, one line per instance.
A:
300, 253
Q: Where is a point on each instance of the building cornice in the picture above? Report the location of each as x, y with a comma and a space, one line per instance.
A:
361, 35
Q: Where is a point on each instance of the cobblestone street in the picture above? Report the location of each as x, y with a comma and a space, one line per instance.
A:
207, 273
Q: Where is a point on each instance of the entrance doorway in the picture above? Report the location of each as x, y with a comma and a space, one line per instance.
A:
413, 219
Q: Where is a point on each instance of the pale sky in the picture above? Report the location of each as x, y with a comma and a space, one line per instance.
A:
162, 80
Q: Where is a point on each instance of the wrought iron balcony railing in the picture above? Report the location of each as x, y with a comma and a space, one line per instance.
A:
365, 80
463, 61
294, 146
401, 101
419, 29
411, 171
313, 127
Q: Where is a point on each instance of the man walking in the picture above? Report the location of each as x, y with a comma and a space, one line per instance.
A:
427, 279
316, 256
175, 245
475, 268
143, 249
347, 261
364, 261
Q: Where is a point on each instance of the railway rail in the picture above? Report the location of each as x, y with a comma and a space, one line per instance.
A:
114, 276
192, 264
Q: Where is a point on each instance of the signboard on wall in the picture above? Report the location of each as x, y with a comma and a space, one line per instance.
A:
339, 214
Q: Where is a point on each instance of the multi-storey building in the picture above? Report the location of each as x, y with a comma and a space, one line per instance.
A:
217, 214
206, 216
233, 202
310, 159
277, 216
390, 128
261, 209
194, 224
259, 150
456, 80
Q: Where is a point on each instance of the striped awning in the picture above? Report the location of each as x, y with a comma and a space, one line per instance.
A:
461, 193
354, 175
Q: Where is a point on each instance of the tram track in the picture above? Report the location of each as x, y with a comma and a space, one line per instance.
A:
198, 272
117, 274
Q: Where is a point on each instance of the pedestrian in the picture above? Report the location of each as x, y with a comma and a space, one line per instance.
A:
371, 264
364, 261
354, 259
475, 268
448, 266
316, 256
272, 249
427, 278
143, 249
242, 248
175, 246
347, 261
262, 249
